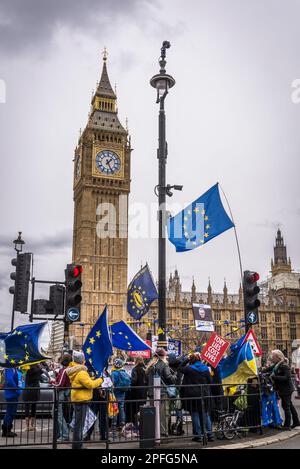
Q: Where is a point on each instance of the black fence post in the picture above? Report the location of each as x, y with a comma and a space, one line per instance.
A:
107, 418
202, 419
55, 419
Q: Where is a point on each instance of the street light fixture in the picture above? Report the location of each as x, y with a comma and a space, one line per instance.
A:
162, 82
19, 243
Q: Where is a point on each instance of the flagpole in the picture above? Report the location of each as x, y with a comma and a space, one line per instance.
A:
235, 233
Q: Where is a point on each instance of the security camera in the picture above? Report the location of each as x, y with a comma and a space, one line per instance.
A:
167, 44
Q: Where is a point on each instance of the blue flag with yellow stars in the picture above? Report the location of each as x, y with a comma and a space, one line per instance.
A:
201, 221
97, 347
124, 338
21, 346
141, 293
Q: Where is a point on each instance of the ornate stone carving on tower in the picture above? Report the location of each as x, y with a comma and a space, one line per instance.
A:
101, 189
281, 262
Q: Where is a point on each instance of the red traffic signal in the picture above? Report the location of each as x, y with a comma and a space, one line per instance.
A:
77, 270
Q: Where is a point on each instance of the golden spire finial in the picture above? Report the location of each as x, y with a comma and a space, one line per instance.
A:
105, 54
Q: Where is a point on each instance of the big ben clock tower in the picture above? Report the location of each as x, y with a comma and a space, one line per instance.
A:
101, 189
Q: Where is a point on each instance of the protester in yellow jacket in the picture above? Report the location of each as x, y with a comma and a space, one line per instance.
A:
81, 382
82, 392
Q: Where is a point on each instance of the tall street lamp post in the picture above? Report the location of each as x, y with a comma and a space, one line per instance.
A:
162, 82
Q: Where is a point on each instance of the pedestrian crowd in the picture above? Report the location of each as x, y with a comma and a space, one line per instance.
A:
187, 387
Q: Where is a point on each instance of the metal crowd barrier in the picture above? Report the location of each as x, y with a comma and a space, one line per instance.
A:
157, 417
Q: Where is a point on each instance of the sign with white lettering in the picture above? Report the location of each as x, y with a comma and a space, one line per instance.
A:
214, 349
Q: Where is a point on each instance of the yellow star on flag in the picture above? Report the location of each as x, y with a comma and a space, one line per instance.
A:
92, 340
5, 357
88, 350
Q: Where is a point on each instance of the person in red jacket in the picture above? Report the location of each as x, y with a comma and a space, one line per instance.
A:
63, 384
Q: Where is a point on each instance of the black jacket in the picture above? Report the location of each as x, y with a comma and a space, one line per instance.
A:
281, 376
191, 395
32, 380
138, 383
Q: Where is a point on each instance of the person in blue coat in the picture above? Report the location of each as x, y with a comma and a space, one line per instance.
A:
12, 391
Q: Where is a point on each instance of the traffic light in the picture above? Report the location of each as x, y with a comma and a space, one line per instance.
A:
73, 292
251, 301
57, 298
22, 278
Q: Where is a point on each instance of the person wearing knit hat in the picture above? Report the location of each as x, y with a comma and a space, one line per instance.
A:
78, 357
82, 393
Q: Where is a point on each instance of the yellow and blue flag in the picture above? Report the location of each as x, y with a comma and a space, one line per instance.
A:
198, 223
124, 338
22, 346
239, 366
97, 347
141, 293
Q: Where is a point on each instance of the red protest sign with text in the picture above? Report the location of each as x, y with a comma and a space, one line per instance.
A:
214, 349
141, 353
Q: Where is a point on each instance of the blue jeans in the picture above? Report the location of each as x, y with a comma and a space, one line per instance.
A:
197, 424
11, 410
121, 418
63, 396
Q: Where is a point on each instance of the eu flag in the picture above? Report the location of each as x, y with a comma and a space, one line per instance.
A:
141, 293
124, 338
97, 347
201, 221
21, 346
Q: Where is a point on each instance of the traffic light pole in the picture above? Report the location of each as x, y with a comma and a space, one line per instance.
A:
13, 308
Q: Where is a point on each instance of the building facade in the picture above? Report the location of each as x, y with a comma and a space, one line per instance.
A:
279, 313
101, 188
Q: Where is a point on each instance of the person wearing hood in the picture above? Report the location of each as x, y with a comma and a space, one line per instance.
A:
12, 391
281, 377
81, 394
121, 381
197, 374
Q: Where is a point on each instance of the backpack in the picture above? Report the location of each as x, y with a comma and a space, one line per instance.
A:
123, 381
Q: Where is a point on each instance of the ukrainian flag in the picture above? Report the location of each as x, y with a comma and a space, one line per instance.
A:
239, 366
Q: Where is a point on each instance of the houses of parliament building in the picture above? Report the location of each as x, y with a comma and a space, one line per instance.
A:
102, 163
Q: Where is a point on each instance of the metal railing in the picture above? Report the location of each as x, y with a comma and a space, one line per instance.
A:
140, 417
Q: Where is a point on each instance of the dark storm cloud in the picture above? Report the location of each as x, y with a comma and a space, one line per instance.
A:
41, 245
31, 24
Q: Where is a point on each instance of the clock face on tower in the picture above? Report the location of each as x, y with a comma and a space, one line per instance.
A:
77, 167
108, 162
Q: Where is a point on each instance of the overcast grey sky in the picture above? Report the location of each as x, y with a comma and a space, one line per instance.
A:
234, 62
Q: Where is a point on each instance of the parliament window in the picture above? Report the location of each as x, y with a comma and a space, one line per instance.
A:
218, 330
185, 314
232, 316
264, 333
293, 333
217, 315
263, 317
277, 317
292, 318
278, 333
